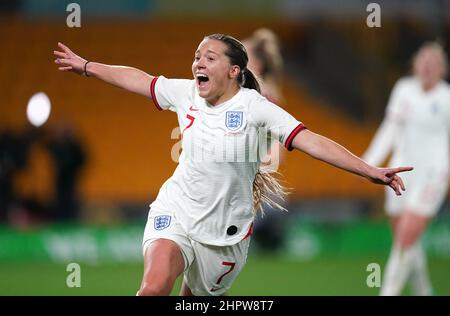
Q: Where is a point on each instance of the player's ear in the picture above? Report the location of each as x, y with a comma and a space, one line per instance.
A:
234, 71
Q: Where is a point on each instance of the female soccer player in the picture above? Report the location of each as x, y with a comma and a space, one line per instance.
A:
416, 128
201, 220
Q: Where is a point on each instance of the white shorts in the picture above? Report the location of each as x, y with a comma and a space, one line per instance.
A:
424, 195
208, 270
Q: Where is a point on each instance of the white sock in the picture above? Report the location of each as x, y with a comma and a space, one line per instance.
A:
397, 271
420, 279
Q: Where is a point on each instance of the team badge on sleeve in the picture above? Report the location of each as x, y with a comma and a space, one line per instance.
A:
162, 221
234, 120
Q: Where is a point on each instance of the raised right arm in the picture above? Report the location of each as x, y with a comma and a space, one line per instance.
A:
124, 77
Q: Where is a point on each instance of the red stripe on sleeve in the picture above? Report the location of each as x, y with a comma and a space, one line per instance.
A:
153, 94
291, 136
250, 231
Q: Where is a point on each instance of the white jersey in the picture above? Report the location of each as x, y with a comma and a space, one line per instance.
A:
210, 192
416, 128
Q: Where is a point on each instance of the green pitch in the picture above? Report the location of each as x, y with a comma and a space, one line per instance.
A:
263, 275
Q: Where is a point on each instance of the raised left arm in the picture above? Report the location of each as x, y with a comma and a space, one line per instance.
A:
326, 150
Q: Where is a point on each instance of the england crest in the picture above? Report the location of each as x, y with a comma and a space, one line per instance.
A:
162, 221
234, 120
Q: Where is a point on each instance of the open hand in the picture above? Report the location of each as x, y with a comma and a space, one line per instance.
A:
68, 60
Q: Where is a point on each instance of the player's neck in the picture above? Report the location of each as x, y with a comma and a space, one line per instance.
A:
222, 98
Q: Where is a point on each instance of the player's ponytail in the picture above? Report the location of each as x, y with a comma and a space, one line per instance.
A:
267, 190
249, 80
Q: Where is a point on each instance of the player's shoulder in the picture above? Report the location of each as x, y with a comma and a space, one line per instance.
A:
253, 97
250, 93
180, 88
176, 81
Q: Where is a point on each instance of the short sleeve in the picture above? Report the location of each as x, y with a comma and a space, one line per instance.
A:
281, 125
169, 94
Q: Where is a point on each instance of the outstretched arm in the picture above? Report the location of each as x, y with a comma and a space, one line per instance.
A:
124, 77
330, 152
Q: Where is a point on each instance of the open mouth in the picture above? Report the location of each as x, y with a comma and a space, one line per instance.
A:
202, 80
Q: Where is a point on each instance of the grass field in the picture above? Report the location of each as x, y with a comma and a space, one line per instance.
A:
263, 275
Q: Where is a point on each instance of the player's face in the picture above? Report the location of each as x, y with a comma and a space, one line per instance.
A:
214, 76
429, 67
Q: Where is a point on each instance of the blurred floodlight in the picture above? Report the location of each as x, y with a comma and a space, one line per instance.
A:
38, 109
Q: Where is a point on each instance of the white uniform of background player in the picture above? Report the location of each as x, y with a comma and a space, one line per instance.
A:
416, 129
208, 200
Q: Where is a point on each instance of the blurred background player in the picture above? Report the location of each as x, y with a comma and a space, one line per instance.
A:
416, 129
266, 62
